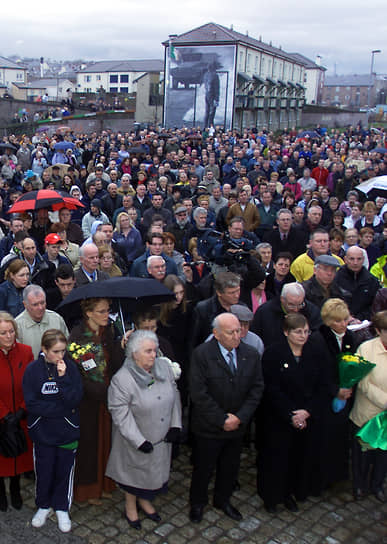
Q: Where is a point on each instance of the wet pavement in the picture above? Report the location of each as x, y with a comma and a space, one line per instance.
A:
330, 519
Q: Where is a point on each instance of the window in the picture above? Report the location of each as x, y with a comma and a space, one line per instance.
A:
114, 79
87, 79
124, 78
256, 64
113, 90
124, 89
98, 78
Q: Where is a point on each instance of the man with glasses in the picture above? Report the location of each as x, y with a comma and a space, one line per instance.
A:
268, 319
154, 246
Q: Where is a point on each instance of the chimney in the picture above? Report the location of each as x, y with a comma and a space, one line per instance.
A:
232, 27
247, 33
260, 38
318, 60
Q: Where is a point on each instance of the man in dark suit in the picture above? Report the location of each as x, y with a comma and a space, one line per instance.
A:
88, 271
286, 237
226, 386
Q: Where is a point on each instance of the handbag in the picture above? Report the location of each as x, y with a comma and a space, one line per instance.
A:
13, 441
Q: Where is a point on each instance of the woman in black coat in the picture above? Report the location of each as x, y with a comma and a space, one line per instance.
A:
292, 404
331, 339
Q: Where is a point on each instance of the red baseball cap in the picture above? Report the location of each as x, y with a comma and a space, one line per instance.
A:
53, 238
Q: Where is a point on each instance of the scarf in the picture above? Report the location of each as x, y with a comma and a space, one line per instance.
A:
145, 379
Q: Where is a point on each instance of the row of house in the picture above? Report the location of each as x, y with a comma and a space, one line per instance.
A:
209, 75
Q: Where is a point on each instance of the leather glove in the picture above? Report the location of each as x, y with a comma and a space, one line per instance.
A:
13, 418
173, 435
146, 447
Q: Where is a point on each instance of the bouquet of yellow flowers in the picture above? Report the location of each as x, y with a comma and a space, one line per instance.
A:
80, 353
352, 369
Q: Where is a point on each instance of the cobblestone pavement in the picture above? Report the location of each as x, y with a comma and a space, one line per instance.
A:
330, 519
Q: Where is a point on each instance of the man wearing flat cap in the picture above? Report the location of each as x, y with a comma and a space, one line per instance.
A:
181, 228
322, 285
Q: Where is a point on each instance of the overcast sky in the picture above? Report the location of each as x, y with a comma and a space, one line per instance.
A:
343, 32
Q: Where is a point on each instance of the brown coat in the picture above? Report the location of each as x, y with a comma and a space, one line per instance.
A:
95, 394
250, 215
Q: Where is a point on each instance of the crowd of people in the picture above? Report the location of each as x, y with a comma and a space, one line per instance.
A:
277, 263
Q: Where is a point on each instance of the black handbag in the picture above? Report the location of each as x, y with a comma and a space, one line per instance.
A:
13, 441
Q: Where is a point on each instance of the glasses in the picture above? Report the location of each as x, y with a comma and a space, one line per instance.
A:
295, 306
301, 332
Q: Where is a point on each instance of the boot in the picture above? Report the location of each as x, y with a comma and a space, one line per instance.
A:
3, 497
14, 490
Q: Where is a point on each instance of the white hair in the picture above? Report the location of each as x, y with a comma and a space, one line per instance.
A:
293, 288
136, 339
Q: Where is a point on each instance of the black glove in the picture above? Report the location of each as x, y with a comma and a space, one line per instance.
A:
13, 418
173, 435
146, 447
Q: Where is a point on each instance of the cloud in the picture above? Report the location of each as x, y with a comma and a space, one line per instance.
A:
341, 32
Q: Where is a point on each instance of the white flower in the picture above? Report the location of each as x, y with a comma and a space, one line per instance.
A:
174, 366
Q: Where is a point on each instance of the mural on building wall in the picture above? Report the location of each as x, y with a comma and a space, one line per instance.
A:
199, 86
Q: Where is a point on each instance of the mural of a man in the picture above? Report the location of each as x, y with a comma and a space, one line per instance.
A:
212, 87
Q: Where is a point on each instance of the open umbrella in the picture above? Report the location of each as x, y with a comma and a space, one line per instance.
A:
379, 150
4, 146
127, 294
374, 187
309, 133
44, 198
63, 146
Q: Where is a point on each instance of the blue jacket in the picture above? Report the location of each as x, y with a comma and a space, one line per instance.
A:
11, 298
52, 404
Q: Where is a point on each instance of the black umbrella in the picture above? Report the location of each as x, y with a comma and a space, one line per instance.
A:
381, 150
127, 294
5, 146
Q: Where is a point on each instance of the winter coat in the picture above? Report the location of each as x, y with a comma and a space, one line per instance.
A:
141, 413
95, 395
268, 320
11, 298
359, 290
52, 402
12, 367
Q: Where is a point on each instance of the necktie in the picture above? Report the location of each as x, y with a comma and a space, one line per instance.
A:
231, 362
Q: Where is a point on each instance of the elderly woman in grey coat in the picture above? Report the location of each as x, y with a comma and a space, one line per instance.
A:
145, 407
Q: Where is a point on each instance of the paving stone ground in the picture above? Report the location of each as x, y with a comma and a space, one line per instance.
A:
333, 518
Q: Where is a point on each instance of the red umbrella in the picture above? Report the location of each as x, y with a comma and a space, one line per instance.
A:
44, 198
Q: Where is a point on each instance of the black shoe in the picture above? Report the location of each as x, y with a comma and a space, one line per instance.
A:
270, 509
380, 495
196, 513
14, 490
290, 504
154, 517
229, 510
135, 524
358, 494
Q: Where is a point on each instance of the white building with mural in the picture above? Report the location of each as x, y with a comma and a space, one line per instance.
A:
215, 75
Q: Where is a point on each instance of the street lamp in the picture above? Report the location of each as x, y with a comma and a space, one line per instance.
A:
373, 53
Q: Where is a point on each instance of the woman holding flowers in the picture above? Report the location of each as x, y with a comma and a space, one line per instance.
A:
369, 467
93, 347
334, 338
